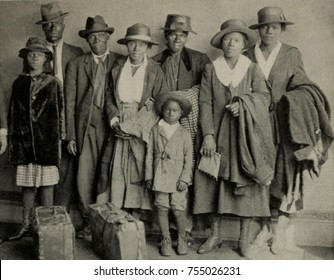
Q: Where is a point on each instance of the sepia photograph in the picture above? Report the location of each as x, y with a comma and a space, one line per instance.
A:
167, 130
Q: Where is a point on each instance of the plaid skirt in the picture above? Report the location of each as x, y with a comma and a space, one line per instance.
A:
35, 175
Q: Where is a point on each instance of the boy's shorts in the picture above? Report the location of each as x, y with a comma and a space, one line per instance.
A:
176, 200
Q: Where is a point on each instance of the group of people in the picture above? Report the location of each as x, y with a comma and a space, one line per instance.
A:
133, 129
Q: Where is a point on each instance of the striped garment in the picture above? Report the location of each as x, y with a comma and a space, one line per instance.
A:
35, 175
190, 123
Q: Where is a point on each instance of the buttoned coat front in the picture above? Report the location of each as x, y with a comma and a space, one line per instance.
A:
168, 160
79, 90
288, 65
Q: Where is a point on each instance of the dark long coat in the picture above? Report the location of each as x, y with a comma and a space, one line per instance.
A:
35, 121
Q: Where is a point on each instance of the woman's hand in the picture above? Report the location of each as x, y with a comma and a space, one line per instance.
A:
72, 147
181, 186
233, 109
208, 146
3, 143
120, 133
149, 184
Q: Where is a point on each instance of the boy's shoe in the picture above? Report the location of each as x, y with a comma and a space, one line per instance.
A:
166, 246
182, 246
85, 233
190, 239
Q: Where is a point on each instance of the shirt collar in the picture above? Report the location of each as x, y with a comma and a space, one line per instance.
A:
129, 64
97, 57
163, 123
59, 44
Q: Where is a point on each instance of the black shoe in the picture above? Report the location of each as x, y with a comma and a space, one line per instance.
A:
85, 233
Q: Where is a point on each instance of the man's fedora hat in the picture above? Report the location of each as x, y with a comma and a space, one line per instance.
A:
138, 31
50, 12
178, 23
96, 24
234, 25
177, 96
37, 44
270, 15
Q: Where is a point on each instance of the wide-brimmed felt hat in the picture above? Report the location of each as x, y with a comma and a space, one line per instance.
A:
234, 25
138, 31
37, 44
177, 96
176, 22
95, 24
270, 15
50, 12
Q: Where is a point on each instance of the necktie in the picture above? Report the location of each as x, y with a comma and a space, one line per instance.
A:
99, 84
55, 68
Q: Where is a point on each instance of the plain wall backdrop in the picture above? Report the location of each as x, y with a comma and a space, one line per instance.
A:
312, 33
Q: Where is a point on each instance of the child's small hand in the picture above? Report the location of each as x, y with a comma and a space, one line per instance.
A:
181, 186
149, 184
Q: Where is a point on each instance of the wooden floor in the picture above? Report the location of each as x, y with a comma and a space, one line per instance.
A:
24, 250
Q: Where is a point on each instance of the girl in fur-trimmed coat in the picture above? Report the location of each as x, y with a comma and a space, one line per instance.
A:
35, 129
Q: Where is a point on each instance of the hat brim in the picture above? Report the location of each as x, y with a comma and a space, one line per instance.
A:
23, 52
85, 33
51, 20
169, 29
256, 26
172, 96
251, 36
125, 40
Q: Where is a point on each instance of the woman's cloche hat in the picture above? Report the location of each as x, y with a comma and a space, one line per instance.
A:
234, 25
270, 15
138, 31
177, 96
178, 23
95, 24
50, 12
37, 44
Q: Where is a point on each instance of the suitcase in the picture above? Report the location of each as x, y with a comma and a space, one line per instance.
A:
54, 234
116, 235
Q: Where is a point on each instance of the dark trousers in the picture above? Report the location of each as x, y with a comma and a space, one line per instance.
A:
66, 186
89, 162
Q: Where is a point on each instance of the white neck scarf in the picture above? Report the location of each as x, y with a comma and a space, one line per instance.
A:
169, 129
234, 76
130, 88
264, 64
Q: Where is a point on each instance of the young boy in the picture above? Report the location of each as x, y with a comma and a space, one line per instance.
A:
168, 166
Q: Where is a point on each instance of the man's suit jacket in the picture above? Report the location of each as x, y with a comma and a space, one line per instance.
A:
69, 53
79, 90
